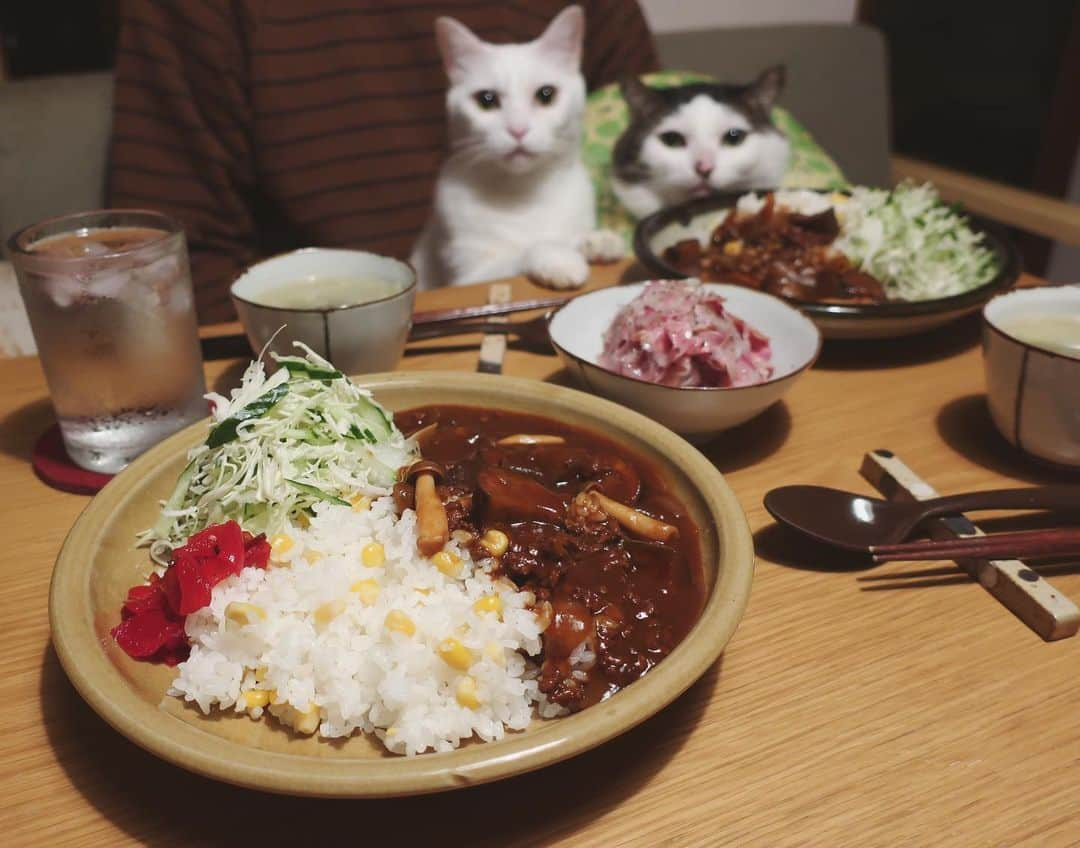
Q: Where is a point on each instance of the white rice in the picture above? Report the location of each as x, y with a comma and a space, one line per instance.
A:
356, 672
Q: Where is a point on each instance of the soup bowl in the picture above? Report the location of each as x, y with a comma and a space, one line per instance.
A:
360, 338
1031, 389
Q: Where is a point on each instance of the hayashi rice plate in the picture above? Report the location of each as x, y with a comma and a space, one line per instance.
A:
519, 565
98, 564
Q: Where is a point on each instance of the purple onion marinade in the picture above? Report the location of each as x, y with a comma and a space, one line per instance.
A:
679, 334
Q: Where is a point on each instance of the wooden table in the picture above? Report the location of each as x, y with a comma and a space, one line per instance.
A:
901, 706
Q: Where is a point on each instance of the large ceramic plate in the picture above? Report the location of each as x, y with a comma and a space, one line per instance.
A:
698, 218
98, 563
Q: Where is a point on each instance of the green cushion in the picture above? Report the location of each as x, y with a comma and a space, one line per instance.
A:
606, 117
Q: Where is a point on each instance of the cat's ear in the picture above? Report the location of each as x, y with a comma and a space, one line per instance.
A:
458, 45
763, 91
641, 99
564, 36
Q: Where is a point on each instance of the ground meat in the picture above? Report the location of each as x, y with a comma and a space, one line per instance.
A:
628, 601
781, 252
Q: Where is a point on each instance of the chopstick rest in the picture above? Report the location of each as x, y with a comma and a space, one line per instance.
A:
1021, 590
493, 346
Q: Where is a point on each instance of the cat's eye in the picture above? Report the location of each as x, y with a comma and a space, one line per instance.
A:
673, 139
545, 95
734, 137
487, 99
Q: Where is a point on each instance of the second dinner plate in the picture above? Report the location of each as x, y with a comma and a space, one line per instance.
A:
896, 319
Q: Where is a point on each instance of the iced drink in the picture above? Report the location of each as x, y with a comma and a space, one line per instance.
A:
110, 302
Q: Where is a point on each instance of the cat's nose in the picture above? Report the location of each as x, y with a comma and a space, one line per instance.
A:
703, 168
517, 132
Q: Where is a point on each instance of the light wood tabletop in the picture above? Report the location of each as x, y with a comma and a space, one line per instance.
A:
896, 706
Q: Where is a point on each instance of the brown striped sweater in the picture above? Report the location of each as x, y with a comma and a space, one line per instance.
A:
266, 125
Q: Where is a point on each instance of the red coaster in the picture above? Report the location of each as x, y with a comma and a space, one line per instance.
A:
54, 467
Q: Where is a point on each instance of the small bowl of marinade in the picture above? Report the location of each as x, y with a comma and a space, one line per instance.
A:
862, 264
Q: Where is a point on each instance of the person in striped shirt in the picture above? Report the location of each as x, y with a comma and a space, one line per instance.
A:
267, 125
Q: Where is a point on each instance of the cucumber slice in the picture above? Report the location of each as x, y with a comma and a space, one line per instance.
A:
373, 418
316, 493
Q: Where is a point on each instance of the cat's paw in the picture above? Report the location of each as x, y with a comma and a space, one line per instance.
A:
556, 265
603, 246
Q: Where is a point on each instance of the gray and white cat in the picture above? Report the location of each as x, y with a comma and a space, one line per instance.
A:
692, 140
513, 196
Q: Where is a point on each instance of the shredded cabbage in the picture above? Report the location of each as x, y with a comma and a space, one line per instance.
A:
277, 446
916, 245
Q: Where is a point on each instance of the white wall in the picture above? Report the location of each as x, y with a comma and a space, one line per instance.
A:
673, 15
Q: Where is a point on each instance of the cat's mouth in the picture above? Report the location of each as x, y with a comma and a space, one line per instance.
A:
701, 190
520, 153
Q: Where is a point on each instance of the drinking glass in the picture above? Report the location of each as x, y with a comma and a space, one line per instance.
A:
109, 298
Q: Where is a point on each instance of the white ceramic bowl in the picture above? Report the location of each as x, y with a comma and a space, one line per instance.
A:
1033, 393
359, 339
577, 332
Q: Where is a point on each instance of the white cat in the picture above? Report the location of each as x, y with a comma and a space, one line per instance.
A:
692, 140
513, 197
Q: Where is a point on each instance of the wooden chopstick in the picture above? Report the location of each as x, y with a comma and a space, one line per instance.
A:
1024, 543
1021, 590
440, 316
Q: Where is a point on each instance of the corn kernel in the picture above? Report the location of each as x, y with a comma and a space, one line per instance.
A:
467, 695
280, 543
545, 614
275, 698
495, 542
325, 613
494, 652
373, 555
241, 613
256, 698
303, 520
368, 590
360, 503
306, 722
733, 247
448, 563
313, 556
398, 621
455, 654
489, 603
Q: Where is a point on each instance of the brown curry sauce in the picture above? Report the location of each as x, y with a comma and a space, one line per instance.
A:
634, 600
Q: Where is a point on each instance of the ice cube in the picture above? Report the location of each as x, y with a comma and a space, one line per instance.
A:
63, 291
